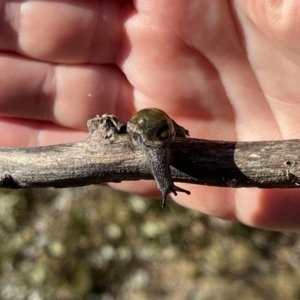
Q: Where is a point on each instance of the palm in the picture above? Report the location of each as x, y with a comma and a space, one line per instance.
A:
220, 70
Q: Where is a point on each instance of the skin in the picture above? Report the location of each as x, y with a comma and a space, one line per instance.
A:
225, 70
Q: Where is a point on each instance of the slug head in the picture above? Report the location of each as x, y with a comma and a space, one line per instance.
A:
154, 124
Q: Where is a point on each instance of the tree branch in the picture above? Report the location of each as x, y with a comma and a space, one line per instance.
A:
108, 155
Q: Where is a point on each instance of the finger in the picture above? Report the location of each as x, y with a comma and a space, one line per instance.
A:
64, 95
276, 209
217, 202
269, 30
62, 31
278, 20
28, 133
144, 187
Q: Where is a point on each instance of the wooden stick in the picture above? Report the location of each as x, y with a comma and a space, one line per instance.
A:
108, 155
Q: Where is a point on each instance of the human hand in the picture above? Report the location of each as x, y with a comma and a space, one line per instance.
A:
225, 70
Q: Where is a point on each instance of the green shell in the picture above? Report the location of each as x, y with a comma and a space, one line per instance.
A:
155, 124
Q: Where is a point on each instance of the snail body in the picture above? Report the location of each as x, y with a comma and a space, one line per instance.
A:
153, 131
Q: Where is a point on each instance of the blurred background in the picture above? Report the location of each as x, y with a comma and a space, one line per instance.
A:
99, 244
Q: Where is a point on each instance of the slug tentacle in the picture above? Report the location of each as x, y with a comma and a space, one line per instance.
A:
153, 131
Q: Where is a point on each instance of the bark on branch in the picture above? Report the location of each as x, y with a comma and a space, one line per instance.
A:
107, 155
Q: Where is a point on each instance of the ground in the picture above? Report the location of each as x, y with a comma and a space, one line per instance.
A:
95, 243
